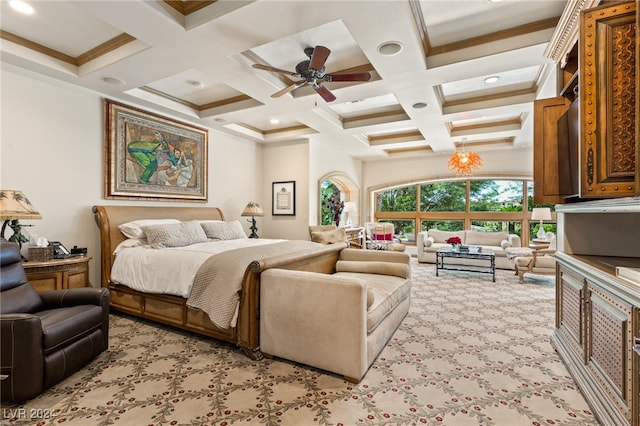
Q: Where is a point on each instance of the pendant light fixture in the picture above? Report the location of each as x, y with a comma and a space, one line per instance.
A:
464, 162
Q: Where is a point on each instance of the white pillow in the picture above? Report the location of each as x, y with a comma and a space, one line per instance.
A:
221, 230
132, 242
134, 230
174, 234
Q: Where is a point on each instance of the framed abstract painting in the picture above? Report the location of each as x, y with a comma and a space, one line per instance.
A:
151, 157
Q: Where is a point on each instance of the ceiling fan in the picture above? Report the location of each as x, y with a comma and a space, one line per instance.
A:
313, 72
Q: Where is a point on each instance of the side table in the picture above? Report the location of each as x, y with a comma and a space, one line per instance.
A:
58, 274
355, 236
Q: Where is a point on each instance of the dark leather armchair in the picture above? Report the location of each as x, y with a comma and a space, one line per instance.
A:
45, 336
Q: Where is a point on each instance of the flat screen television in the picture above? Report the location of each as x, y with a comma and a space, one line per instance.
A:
568, 151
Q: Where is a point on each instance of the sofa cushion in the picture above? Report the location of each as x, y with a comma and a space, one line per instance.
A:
485, 238
387, 292
443, 236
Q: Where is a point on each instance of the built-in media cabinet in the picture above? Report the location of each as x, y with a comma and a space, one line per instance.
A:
597, 329
586, 143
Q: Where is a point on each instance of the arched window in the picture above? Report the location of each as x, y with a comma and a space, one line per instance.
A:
338, 190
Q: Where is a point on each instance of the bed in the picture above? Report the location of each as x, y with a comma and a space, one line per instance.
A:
173, 310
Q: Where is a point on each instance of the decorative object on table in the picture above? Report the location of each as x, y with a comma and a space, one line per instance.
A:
253, 209
455, 242
284, 198
463, 162
541, 214
14, 205
336, 206
151, 157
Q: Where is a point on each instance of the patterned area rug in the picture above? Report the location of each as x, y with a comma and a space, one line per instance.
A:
470, 352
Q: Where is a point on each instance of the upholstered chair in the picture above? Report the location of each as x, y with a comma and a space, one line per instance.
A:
380, 236
540, 262
45, 336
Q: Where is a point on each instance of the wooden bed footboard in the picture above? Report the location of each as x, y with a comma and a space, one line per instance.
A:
173, 310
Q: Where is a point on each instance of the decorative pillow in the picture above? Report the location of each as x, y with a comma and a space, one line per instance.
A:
221, 230
174, 234
443, 236
337, 235
131, 242
428, 241
134, 230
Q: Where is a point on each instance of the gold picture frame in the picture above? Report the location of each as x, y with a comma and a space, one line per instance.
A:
151, 157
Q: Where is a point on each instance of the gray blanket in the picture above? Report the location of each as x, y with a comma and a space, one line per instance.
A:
217, 285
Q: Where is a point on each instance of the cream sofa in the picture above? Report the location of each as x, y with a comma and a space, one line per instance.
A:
337, 322
430, 241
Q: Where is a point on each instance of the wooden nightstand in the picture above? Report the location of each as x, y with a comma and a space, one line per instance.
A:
57, 274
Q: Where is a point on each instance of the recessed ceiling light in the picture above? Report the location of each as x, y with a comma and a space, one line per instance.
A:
491, 79
22, 7
114, 81
495, 1
220, 120
419, 105
196, 83
274, 121
390, 48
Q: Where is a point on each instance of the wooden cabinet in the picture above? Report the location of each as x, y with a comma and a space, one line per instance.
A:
608, 80
546, 161
598, 73
57, 274
598, 314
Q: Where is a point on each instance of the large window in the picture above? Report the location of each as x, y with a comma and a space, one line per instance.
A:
487, 205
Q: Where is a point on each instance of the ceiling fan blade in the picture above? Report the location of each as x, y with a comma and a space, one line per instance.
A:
278, 70
289, 89
348, 76
318, 58
324, 92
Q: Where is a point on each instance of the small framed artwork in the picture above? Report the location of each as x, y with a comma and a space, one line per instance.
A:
150, 157
284, 198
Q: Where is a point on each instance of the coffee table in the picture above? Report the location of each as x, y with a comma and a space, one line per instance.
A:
486, 256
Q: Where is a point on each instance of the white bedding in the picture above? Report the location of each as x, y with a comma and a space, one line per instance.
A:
170, 270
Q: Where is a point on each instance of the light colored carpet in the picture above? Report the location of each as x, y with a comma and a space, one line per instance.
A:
470, 352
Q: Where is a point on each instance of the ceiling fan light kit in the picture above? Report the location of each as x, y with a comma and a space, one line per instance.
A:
313, 73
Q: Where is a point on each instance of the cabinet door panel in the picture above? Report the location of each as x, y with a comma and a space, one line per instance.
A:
609, 347
570, 308
608, 101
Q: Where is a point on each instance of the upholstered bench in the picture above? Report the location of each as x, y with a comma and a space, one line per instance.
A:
336, 322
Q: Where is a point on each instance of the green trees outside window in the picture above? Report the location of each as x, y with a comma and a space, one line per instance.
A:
480, 204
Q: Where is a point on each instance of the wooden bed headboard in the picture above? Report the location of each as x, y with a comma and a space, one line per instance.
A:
109, 217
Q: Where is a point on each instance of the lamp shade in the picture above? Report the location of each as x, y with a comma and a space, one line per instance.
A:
252, 209
541, 213
15, 205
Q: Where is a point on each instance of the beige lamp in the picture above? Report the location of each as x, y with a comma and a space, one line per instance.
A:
15, 205
253, 209
541, 214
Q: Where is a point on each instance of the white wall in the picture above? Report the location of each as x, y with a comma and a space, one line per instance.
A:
51, 148
283, 162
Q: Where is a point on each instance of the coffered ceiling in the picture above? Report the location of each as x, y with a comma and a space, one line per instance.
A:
192, 60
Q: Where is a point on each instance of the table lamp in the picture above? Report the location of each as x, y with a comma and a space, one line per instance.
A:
253, 209
15, 205
541, 214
